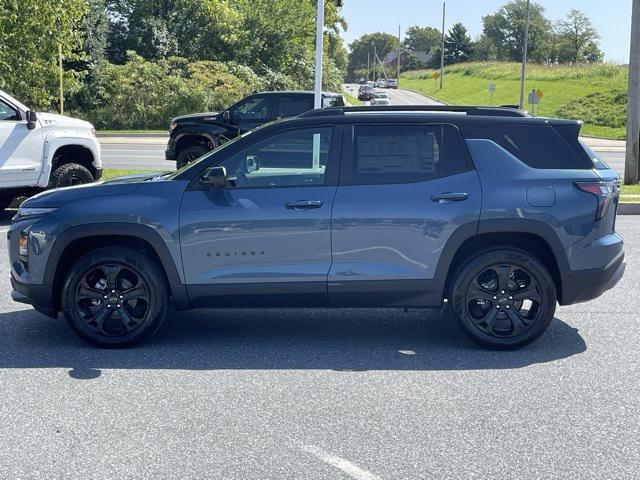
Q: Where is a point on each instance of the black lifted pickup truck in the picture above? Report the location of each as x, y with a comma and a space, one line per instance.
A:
191, 136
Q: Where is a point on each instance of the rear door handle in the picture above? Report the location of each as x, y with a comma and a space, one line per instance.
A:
449, 197
304, 204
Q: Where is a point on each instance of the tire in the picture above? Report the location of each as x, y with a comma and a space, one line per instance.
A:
115, 321
189, 154
5, 202
70, 174
509, 320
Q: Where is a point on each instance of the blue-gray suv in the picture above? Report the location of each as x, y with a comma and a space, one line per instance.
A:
488, 212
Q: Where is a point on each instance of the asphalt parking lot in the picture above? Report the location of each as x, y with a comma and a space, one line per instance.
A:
325, 394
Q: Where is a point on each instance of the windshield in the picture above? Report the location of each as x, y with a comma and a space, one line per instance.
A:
196, 162
14, 101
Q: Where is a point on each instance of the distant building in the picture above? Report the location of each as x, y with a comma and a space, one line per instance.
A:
390, 61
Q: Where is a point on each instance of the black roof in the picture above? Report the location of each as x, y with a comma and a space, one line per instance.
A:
462, 116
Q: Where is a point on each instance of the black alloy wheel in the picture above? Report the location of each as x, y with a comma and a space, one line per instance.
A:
115, 297
503, 299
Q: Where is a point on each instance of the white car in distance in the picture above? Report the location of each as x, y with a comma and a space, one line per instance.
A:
381, 98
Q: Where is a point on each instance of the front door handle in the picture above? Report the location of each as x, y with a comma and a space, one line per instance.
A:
304, 204
449, 197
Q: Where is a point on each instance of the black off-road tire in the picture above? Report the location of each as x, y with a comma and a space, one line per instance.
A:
485, 269
127, 262
190, 154
70, 174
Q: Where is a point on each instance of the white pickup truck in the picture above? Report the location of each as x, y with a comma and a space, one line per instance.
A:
39, 151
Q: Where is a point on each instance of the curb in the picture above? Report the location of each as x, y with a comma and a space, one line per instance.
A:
629, 209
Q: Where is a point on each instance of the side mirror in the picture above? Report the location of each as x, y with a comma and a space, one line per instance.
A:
32, 118
214, 177
226, 116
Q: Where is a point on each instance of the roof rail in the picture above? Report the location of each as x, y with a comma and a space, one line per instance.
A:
503, 111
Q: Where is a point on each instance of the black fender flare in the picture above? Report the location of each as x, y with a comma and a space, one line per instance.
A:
134, 230
470, 230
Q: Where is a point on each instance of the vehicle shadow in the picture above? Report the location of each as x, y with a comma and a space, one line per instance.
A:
341, 340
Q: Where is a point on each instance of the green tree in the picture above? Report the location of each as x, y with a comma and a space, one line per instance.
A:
422, 39
95, 27
577, 38
359, 48
30, 32
457, 44
483, 50
505, 29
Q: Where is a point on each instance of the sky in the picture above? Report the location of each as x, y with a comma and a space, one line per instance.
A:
612, 18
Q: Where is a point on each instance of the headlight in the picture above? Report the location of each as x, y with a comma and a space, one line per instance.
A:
23, 243
172, 126
32, 212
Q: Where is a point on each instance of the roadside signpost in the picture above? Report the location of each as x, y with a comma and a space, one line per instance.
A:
534, 99
436, 76
492, 90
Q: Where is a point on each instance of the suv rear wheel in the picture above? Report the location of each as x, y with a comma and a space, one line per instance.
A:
503, 299
70, 174
115, 297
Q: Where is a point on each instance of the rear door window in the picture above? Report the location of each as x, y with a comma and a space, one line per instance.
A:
294, 105
404, 154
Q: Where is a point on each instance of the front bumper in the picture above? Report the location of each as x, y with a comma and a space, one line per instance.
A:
39, 297
584, 285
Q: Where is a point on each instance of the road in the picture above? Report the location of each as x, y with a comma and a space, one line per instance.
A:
358, 394
147, 152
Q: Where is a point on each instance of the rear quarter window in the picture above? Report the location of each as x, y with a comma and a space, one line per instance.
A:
537, 146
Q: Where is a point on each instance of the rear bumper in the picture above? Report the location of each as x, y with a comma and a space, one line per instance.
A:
584, 285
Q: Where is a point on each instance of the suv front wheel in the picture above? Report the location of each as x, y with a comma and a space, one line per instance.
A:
190, 154
115, 297
503, 299
70, 174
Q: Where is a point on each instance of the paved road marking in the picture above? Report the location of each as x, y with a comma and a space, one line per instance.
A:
345, 466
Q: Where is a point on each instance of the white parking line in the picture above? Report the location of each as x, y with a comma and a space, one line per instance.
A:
347, 467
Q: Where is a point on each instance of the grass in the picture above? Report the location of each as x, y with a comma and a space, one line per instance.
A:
595, 94
351, 99
117, 172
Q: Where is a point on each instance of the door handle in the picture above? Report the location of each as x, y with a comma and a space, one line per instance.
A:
449, 197
304, 204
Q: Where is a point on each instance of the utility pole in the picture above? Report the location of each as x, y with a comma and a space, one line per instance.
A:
317, 103
368, 66
444, 7
375, 65
61, 79
633, 107
524, 54
398, 66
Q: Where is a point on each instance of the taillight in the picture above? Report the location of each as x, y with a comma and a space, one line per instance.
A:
606, 192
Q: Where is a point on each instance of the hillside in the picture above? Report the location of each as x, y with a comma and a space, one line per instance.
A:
596, 94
